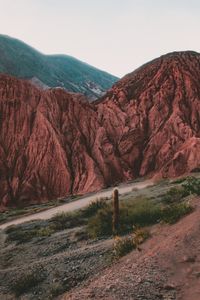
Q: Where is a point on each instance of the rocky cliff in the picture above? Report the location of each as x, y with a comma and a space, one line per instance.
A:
54, 143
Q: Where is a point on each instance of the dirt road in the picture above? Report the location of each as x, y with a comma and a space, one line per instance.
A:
77, 204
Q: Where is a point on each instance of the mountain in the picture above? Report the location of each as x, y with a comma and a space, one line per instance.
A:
22, 61
54, 143
158, 131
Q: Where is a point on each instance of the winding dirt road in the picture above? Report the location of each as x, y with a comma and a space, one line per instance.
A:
77, 204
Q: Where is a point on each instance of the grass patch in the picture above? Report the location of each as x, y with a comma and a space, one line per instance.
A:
192, 185
139, 236
67, 220
26, 232
94, 206
124, 245
171, 214
26, 282
175, 195
59, 222
139, 212
100, 224
19, 235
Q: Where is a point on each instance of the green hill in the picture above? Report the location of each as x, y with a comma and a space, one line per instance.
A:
20, 60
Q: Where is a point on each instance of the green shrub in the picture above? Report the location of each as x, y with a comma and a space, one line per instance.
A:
171, 214
100, 224
122, 246
21, 236
81, 235
26, 282
192, 185
175, 195
94, 206
67, 220
140, 212
46, 231
139, 236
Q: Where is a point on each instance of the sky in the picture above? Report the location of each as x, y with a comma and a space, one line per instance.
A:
114, 35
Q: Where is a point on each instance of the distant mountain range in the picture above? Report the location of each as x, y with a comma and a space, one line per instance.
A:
22, 61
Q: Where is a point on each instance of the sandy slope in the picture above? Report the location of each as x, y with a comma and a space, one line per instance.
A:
82, 202
168, 267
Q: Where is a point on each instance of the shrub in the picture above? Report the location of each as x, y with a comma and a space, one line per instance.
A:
94, 206
24, 233
175, 195
26, 282
171, 214
81, 235
123, 246
139, 236
192, 185
20, 236
46, 231
100, 224
140, 212
67, 220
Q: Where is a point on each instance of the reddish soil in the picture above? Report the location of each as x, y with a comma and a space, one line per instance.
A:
167, 267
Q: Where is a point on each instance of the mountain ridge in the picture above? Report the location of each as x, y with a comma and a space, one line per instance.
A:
21, 60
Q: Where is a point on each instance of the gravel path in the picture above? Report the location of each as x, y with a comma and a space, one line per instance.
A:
77, 204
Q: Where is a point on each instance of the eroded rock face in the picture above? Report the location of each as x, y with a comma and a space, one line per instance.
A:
160, 115
54, 143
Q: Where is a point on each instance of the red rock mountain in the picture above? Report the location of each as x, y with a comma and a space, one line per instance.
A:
54, 143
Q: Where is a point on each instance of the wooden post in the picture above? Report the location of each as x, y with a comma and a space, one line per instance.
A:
115, 211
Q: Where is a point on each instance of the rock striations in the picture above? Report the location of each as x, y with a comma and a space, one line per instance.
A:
54, 143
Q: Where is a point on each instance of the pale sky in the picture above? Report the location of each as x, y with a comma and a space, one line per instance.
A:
114, 35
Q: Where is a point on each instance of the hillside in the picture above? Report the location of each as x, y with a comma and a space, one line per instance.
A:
167, 267
54, 143
58, 256
22, 61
